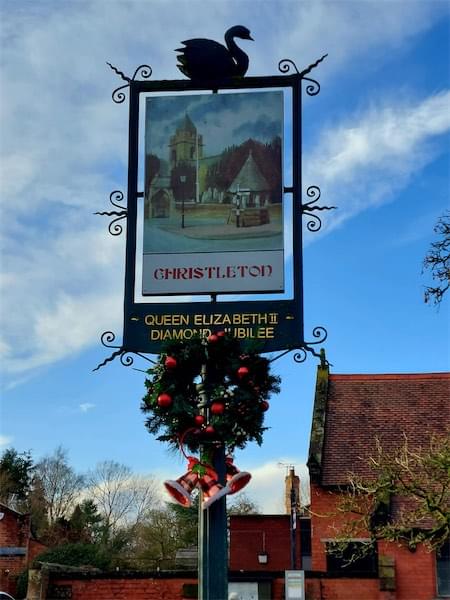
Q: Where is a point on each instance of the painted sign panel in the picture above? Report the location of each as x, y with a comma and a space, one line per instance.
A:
270, 325
213, 214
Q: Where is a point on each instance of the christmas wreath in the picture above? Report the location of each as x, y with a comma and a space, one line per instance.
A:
208, 391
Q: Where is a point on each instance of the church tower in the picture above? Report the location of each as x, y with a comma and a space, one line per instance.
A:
186, 145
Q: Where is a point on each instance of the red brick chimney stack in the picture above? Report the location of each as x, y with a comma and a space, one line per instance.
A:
291, 481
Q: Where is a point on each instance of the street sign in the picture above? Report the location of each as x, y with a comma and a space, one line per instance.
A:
294, 585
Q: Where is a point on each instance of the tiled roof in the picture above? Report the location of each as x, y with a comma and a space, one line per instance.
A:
359, 408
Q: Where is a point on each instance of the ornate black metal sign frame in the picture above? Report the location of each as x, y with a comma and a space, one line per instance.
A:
277, 325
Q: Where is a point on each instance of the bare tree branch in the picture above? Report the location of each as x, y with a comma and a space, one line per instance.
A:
438, 261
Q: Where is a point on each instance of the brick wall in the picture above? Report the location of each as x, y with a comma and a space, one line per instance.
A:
342, 589
10, 567
123, 589
415, 577
251, 534
415, 572
140, 587
14, 534
14, 528
34, 549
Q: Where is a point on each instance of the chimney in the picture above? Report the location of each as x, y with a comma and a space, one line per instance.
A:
292, 482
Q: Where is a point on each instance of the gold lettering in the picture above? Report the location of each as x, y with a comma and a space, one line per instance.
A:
166, 320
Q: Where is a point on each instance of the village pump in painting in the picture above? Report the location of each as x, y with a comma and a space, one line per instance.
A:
213, 213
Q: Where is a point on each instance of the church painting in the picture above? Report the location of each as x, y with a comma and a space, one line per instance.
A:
213, 185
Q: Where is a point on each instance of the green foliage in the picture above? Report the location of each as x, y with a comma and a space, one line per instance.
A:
414, 481
152, 166
243, 397
15, 474
165, 531
22, 585
86, 523
186, 520
190, 590
77, 555
37, 506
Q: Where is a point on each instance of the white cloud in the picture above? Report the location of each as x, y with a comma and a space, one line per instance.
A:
266, 488
362, 162
5, 440
64, 143
86, 406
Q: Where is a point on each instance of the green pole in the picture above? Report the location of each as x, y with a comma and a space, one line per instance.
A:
212, 543
212, 523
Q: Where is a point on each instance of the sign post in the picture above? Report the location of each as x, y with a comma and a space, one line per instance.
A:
212, 216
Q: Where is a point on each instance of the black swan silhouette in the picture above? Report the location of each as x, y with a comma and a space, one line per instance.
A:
207, 59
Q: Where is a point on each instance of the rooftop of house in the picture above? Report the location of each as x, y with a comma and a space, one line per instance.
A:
352, 411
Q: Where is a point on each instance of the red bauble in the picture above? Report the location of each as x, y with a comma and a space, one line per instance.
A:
221, 334
209, 430
170, 362
242, 372
264, 405
213, 339
217, 408
164, 400
199, 419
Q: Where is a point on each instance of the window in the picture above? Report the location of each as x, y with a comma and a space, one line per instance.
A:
305, 542
443, 569
353, 561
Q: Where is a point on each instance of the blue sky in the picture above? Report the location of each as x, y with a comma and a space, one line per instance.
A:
376, 140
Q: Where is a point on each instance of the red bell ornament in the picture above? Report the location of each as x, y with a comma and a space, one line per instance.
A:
164, 400
242, 372
236, 479
212, 490
170, 362
180, 490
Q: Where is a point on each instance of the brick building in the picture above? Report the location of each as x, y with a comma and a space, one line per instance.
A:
18, 547
350, 412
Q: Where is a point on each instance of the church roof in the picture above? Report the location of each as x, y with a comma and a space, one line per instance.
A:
186, 124
249, 177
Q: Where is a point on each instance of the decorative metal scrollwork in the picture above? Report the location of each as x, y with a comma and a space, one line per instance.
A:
320, 333
313, 88
145, 72
315, 223
114, 227
285, 65
125, 356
